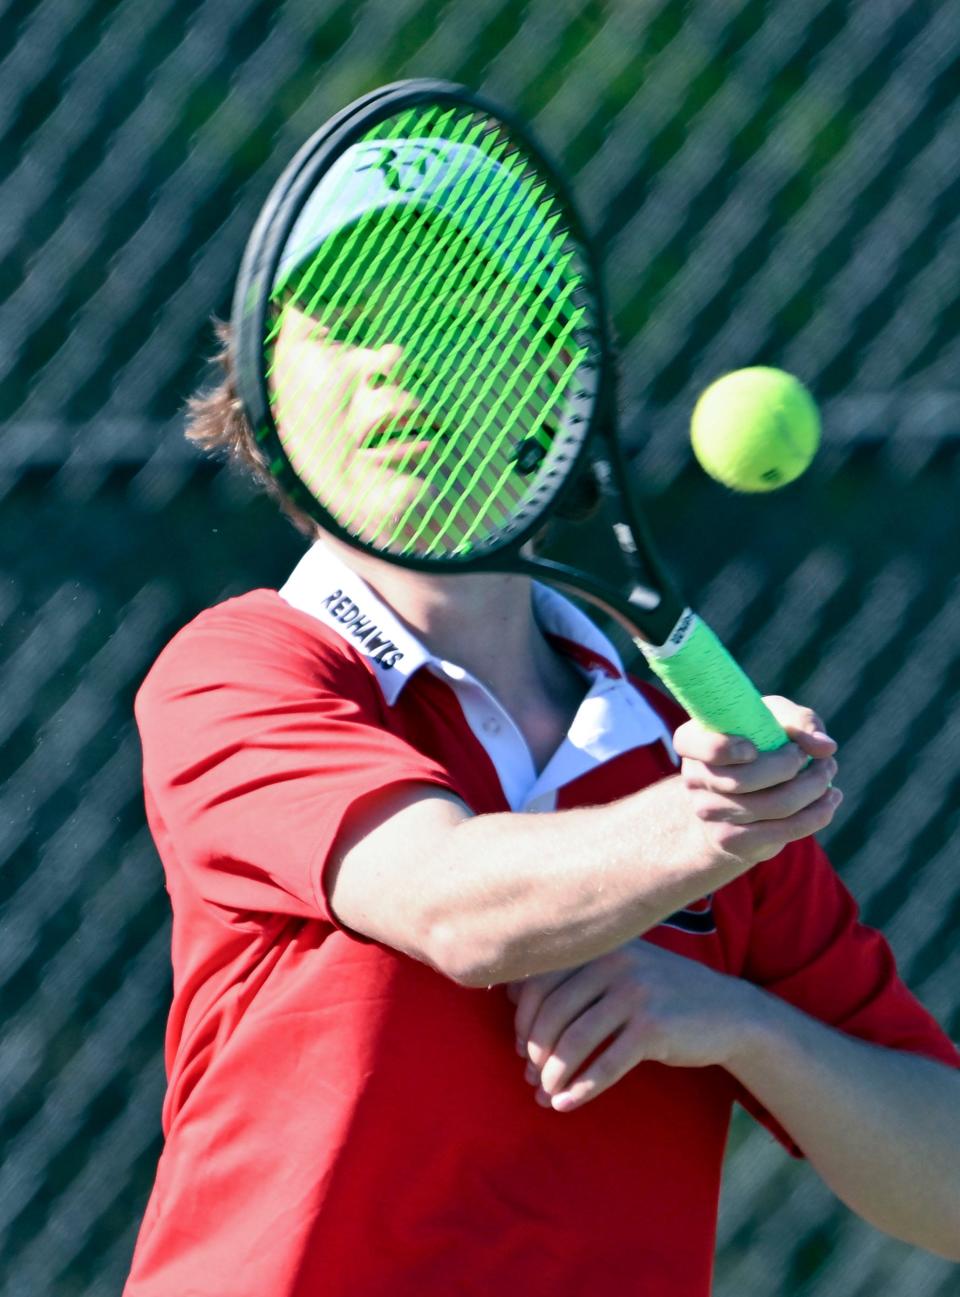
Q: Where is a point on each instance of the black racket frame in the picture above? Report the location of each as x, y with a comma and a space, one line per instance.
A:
651, 607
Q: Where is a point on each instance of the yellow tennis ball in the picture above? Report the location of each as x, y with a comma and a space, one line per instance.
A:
755, 429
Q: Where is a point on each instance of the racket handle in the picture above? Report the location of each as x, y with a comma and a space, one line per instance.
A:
707, 681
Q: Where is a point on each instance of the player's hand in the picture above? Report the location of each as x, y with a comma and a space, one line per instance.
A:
647, 1004
752, 804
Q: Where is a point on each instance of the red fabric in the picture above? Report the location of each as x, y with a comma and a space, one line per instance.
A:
341, 1119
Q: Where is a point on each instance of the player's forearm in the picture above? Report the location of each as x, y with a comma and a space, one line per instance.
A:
530, 893
498, 897
881, 1127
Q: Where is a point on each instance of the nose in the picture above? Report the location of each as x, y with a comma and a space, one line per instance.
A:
384, 363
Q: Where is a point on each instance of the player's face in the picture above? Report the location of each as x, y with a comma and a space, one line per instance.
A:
371, 451
348, 426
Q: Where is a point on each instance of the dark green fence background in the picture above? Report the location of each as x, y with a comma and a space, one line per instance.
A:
774, 182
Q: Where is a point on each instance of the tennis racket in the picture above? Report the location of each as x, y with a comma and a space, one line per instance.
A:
425, 225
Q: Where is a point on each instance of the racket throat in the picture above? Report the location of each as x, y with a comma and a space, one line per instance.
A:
647, 615
645, 598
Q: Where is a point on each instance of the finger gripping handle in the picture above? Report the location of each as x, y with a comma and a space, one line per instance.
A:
708, 682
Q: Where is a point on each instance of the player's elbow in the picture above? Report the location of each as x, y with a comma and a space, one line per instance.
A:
470, 957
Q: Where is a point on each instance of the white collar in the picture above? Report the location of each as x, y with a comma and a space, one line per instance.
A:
612, 718
325, 587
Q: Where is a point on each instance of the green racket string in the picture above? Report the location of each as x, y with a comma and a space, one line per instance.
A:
507, 354
492, 496
433, 331
515, 374
356, 250
431, 335
509, 369
488, 287
494, 441
386, 249
481, 298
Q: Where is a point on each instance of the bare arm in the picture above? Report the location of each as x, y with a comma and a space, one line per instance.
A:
882, 1127
493, 898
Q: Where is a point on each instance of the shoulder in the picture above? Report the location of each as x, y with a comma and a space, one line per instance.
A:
256, 641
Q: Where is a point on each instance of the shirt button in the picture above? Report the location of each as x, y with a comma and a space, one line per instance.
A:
491, 725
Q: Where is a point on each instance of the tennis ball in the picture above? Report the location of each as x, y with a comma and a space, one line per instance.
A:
755, 429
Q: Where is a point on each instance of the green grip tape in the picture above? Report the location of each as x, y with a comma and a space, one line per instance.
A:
711, 685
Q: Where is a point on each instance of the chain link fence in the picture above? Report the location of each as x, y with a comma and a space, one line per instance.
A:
773, 182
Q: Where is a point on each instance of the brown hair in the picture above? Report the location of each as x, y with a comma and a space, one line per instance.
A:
217, 423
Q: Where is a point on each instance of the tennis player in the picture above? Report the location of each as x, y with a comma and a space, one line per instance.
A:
413, 827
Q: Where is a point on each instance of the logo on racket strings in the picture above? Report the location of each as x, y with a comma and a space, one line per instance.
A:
406, 169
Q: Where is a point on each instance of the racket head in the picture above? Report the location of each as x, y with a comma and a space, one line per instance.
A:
424, 226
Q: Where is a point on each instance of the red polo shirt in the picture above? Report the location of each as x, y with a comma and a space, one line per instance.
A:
341, 1119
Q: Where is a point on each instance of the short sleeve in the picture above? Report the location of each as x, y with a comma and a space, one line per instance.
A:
808, 946
259, 734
